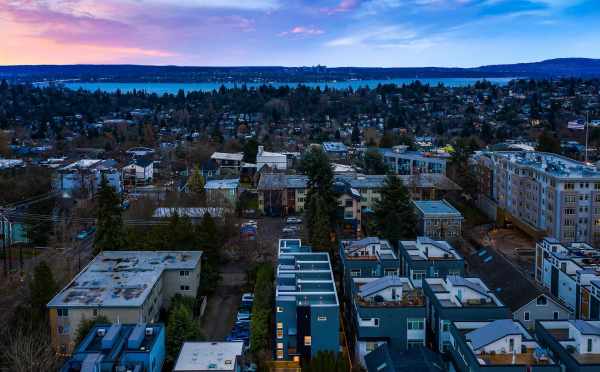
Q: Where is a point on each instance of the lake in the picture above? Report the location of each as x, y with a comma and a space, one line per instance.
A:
173, 88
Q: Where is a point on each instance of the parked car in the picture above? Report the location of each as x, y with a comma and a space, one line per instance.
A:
84, 234
290, 229
294, 220
247, 299
244, 315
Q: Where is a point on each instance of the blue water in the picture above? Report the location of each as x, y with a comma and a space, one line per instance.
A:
173, 88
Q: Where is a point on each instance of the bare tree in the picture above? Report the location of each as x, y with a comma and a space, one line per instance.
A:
28, 351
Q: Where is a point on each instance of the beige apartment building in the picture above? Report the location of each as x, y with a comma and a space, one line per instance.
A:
125, 287
545, 194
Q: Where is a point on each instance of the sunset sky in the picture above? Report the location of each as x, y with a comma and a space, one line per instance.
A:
297, 32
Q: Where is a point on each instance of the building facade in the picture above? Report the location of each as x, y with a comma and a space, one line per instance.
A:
544, 194
438, 219
427, 258
575, 344
404, 162
123, 286
306, 303
455, 298
498, 345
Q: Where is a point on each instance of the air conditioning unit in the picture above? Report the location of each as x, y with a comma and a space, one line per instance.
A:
149, 331
101, 332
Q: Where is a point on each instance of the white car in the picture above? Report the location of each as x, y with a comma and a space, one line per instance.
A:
293, 220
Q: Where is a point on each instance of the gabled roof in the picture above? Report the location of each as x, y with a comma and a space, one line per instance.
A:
548, 298
493, 332
585, 327
420, 359
459, 281
379, 285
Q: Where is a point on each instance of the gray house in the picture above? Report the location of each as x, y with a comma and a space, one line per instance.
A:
541, 307
438, 219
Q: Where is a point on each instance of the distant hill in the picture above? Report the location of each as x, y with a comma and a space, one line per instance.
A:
553, 68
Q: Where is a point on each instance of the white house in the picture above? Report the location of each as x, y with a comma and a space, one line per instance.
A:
139, 172
275, 160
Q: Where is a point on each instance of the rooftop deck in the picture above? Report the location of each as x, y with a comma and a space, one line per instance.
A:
528, 358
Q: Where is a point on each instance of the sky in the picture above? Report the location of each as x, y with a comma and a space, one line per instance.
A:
383, 33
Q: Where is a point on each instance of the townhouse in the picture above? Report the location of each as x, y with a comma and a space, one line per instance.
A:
575, 344
306, 303
456, 298
570, 272
427, 258
386, 310
498, 345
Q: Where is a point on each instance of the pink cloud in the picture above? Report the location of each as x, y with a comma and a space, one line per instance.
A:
303, 31
343, 7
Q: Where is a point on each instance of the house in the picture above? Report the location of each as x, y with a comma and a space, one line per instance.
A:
140, 172
386, 310
210, 356
124, 286
427, 258
348, 211
306, 303
456, 298
194, 214
402, 161
275, 160
120, 347
575, 344
335, 150
498, 345
570, 273
542, 307
228, 163
421, 359
223, 190
83, 177
438, 219
369, 257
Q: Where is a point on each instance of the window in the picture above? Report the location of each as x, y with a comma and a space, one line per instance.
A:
355, 273
95, 312
184, 273
279, 354
371, 345
279, 330
418, 274
414, 343
589, 345
555, 315
376, 322
307, 340
445, 325
321, 318
280, 345
542, 301
527, 315
415, 323
569, 186
511, 345
279, 309
62, 312
184, 287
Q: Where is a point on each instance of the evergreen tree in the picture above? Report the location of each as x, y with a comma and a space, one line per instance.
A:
460, 168
250, 151
181, 327
548, 142
41, 289
394, 215
110, 234
86, 325
196, 184
355, 136
374, 162
321, 200
327, 361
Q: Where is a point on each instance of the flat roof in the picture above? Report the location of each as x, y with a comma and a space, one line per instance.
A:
551, 164
222, 184
436, 207
122, 278
205, 356
238, 156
